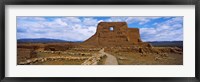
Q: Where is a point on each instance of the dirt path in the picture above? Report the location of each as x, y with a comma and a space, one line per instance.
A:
110, 60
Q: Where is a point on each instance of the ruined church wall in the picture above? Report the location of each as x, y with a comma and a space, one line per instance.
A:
134, 35
120, 35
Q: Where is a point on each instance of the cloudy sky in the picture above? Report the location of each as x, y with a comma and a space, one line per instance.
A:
81, 28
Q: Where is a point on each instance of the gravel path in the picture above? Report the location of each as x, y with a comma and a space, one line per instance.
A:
110, 60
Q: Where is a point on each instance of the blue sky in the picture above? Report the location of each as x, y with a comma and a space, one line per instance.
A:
152, 28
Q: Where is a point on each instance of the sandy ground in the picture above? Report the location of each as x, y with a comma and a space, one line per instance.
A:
110, 60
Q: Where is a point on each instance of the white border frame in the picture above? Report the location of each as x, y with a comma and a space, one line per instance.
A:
185, 70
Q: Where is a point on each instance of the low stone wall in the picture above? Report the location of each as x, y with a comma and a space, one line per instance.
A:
34, 60
94, 59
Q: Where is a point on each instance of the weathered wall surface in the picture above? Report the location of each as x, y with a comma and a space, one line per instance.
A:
114, 34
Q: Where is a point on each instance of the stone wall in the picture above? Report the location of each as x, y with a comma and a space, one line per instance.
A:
114, 34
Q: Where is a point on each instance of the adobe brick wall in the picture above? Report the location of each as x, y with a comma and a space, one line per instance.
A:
119, 36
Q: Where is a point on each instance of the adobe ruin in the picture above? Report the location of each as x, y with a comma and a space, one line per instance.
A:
115, 34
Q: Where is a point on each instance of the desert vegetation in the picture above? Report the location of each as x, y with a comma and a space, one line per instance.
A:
53, 54
76, 54
148, 56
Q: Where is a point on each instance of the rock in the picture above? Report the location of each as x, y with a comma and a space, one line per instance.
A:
157, 58
164, 55
141, 50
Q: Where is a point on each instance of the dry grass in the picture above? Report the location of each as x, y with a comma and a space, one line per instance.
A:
102, 61
124, 55
148, 58
60, 62
62, 49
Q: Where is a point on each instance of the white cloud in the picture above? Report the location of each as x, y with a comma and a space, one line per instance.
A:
71, 19
66, 28
170, 30
117, 19
79, 29
90, 21
140, 20
100, 21
31, 18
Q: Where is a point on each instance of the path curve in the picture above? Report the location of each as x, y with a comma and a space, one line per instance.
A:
110, 60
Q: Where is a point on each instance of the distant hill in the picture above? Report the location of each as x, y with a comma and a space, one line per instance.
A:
167, 43
153, 43
42, 40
